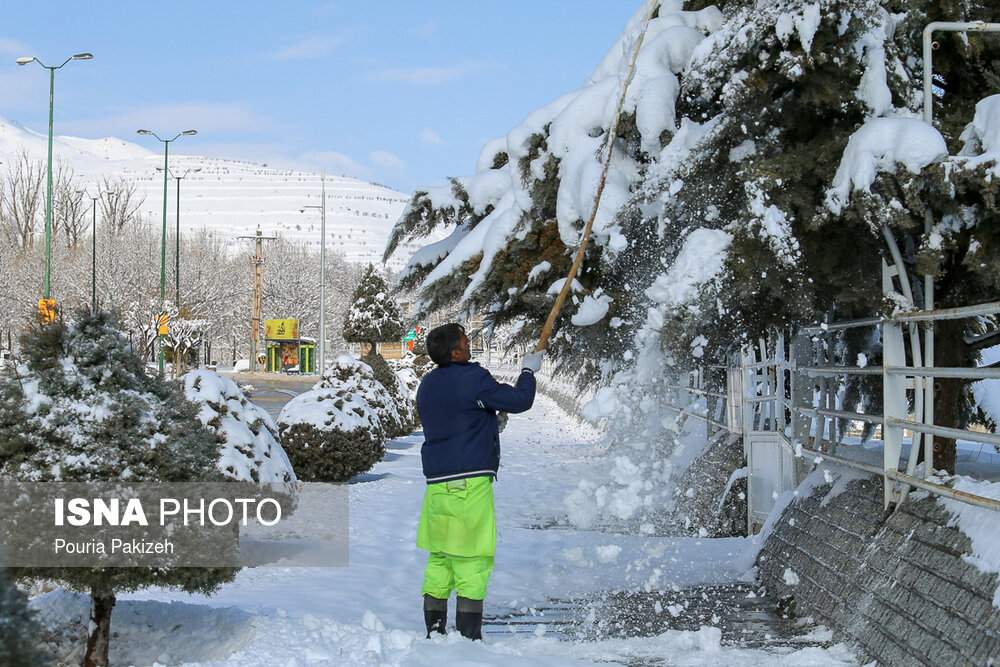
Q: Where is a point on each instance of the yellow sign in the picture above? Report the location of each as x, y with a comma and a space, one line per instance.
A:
163, 324
287, 329
46, 311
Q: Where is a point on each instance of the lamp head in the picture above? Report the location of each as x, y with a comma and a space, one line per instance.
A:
143, 132
189, 133
83, 56
24, 60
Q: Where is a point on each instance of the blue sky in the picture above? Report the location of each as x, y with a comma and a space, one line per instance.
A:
400, 92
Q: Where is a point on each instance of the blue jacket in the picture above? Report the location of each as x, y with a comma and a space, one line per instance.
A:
458, 407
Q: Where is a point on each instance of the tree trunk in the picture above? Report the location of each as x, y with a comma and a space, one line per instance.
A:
950, 350
99, 640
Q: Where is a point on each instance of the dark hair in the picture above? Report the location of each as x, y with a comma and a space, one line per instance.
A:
442, 340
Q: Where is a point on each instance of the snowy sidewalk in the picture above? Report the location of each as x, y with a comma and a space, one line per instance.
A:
369, 613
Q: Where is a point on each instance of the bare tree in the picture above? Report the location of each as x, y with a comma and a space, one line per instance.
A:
22, 199
69, 212
120, 202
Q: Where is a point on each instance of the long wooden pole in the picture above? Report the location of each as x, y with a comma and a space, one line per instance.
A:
609, 145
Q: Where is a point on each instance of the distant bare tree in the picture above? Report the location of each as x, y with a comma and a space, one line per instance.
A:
21, 202
120, 202
69, 211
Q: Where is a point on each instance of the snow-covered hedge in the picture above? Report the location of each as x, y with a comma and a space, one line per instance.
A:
248, 436
331, 434
339, 429
395, 412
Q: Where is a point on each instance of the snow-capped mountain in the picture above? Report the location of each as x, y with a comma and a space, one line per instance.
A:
232, 198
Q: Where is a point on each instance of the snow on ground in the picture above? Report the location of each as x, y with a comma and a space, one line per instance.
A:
369, 613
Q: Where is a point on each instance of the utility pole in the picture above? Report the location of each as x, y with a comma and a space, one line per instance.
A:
257, 306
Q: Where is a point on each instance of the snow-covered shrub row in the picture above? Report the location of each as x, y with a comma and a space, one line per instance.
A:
248, 436
410, 369
762, 148
340, 427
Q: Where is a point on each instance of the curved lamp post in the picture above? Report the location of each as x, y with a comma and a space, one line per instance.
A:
163, 236
177, 236
27, 60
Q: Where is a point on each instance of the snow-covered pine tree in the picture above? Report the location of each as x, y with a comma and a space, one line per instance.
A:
82, 408
373, 316
19, 631
736, 203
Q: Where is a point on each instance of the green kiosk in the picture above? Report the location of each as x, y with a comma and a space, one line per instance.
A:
287, 352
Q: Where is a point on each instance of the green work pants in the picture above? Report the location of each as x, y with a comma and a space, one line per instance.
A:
458, 528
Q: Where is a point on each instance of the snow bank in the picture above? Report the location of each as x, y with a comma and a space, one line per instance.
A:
250, 450
700, 259
878, 146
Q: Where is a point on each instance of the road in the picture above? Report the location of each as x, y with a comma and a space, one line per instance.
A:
272, 390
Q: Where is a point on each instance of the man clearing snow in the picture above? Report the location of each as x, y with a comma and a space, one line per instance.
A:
458, 404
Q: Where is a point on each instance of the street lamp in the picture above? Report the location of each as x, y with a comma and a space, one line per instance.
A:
163, 235
93, 248
26, 60
177, 239
322, 274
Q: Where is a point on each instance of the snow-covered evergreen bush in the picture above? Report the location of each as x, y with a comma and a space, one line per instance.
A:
761, 149
358, 376
331, 435
410, 369
373, 316
19, 631
339, 428
399, 392
80, 407
249, 449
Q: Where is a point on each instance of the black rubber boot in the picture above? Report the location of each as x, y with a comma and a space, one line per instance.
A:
469, 618
435, 615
